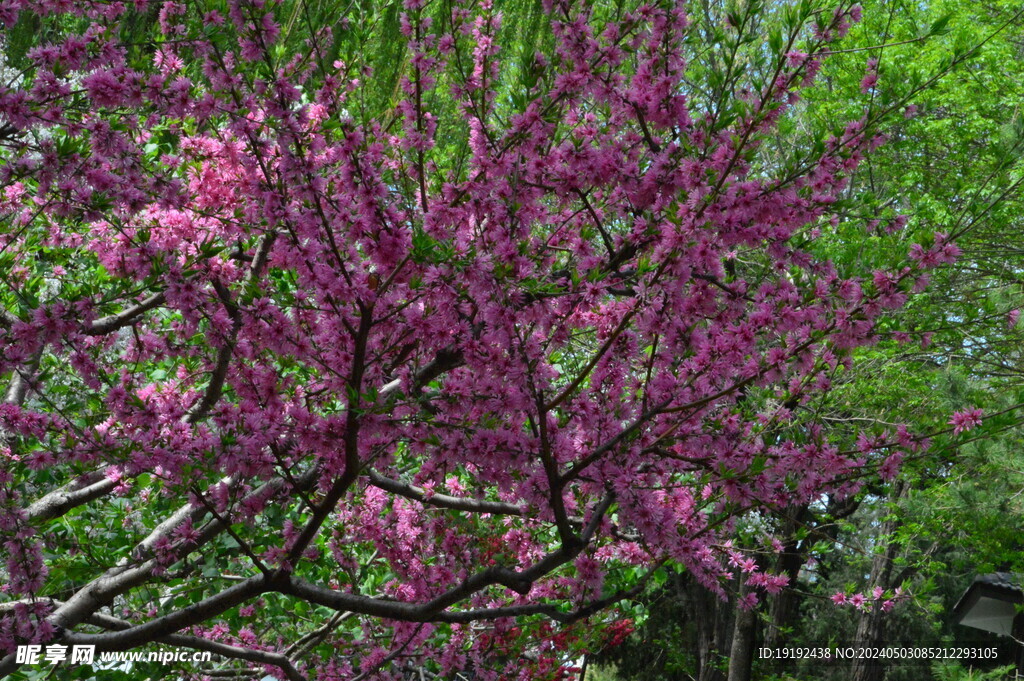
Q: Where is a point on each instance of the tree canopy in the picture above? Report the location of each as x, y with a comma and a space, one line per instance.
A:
386, 341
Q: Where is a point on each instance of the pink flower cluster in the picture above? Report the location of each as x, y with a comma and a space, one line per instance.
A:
879, 597
962, 421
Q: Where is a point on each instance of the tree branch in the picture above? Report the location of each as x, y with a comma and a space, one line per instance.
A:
124, 318
441, 500
17, 391
60, 501
168, 624
184, 641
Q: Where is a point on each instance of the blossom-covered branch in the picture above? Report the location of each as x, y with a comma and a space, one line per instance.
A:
495, 350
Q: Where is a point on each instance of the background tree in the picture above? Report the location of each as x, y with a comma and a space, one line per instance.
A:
953, 165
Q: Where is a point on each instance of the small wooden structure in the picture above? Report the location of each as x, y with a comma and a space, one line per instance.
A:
992, 603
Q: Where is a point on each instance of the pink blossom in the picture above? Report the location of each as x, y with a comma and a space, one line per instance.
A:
869, 81
796, 58
890, 467
963, 421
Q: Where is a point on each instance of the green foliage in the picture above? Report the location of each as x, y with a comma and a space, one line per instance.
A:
953, 671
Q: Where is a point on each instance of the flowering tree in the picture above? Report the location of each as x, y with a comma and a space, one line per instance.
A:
339, 394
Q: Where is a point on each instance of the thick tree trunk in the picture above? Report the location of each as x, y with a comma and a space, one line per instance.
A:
741, 651
871, 627
711, 620
782, 606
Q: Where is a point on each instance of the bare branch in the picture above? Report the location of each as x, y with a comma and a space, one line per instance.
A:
174, 621
184, 641
22, 380
441, 500
230, 651
124, 318
62, 500
307, 641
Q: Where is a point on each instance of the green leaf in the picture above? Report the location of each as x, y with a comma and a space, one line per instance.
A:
940, 25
